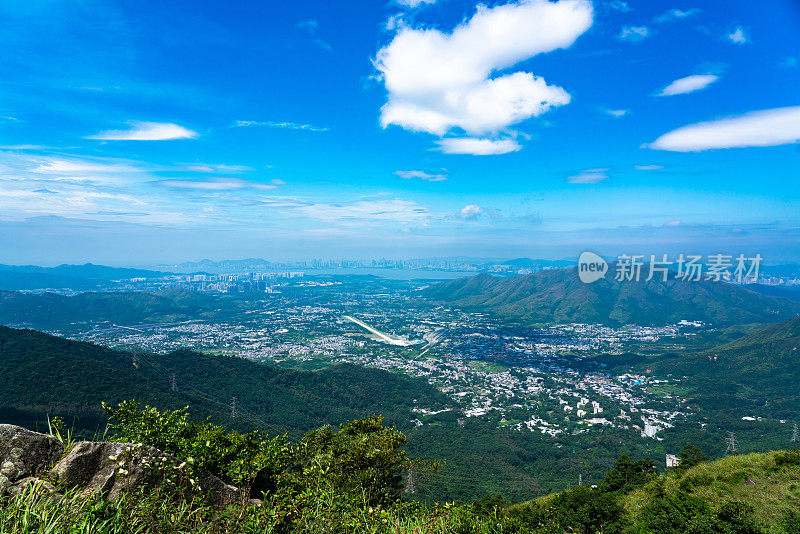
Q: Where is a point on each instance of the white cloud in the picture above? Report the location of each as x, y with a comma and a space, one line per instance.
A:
147, 131
616, 113
286, 125
216, 184
619, 5
768, 127
634, 33
438, 81
648, 167
470, 212
477, 147
738, 36
210, 167
589, 176
393, 210
415, 3
79, 166
676, 14
689, 84
422, 175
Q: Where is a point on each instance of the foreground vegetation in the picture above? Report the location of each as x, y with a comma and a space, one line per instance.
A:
353, 480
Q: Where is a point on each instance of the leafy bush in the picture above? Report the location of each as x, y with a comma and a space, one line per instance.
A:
236, 458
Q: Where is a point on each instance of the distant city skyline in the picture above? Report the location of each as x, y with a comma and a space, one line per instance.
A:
149, 133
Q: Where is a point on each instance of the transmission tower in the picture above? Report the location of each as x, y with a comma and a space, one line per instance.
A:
410, 487
795, 437
135, 361
173, 382
580, 479
233, 408
732, 443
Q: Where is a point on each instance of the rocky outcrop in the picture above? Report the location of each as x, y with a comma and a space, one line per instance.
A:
24, 454
101, 469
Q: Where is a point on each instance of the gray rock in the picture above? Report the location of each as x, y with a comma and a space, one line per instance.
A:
24, 454
108, 469
103, 469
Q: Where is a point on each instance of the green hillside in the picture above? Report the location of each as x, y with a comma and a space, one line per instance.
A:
753, 494
755, 374
52, 311
43, 374
558, 296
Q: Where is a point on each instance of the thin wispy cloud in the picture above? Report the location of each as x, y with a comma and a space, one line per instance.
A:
770, 127
216, 184
386, 210
689, 84
219, 168
616, 113
421, 175
415, 3
676, 14
146, 131
634, 33
283, 125
589, 176
311, 27
619, 5
648, 167
477, 147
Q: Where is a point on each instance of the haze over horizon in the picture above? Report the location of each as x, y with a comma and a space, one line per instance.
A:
146, 133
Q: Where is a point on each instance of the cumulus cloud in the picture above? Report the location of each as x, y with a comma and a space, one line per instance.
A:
477, 147
770, 127
285, 125
422, 175
589, 176
738, 36
439, 81
634, 33
689, 84
676, 14
470, 212
147, 131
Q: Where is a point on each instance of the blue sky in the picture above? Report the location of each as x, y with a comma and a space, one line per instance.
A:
142, 132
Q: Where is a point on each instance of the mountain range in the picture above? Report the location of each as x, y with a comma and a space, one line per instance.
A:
77, 277
558, 296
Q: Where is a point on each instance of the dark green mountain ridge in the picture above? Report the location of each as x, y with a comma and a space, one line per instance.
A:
558, 296
44, 374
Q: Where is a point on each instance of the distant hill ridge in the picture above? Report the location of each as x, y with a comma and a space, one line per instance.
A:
78, 277
558, 296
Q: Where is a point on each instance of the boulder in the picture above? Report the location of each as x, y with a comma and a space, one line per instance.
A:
24, 453
102, 469
109, 470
